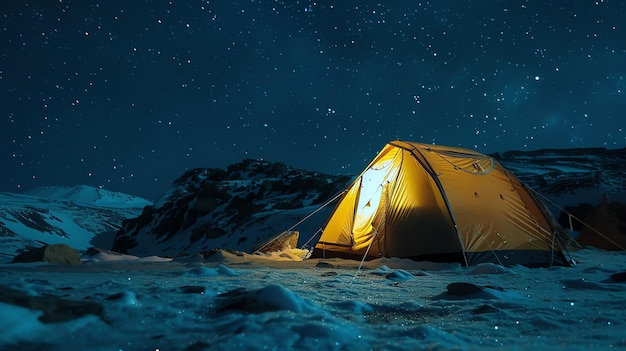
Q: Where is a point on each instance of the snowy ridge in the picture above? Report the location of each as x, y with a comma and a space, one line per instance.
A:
73, 216
570, 176
90, 195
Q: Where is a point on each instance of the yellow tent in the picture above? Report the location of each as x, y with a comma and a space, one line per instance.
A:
440, 203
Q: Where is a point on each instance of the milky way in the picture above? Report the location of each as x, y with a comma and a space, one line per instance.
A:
127, 95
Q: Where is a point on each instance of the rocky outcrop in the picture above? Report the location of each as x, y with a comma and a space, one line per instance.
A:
207, 208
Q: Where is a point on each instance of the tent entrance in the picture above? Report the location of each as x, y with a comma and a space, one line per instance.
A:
369, 217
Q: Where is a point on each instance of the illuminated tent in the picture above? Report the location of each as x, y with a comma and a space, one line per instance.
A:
439, 203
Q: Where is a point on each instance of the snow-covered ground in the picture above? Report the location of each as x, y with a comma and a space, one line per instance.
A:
249, 302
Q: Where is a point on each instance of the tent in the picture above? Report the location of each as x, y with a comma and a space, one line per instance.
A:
443, 204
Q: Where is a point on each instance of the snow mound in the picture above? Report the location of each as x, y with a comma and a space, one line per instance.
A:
469, 291
273, 297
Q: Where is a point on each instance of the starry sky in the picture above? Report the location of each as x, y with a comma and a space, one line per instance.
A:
127, 95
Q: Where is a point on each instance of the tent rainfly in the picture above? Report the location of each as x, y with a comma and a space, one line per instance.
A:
443, 204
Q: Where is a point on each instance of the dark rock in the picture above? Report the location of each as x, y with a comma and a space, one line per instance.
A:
53, 253
198, 346
55, 309
469, 291
572, 216
618, 277
605, 226
463, 289
116, 296
485, 309
192, 289
324, 265
268, 299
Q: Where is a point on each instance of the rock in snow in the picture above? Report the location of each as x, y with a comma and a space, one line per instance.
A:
54, 253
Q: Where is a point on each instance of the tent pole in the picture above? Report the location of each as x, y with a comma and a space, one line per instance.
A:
422, 160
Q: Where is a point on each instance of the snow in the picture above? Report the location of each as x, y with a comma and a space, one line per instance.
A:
90, 195
279, 302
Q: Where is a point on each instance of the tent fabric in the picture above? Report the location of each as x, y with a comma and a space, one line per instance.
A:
441, 203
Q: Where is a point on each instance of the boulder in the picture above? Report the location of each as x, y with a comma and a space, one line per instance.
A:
53, 253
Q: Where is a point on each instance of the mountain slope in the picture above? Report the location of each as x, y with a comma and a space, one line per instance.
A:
90, 195
51, 215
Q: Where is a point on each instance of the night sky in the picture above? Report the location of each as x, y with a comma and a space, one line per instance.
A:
127, 95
